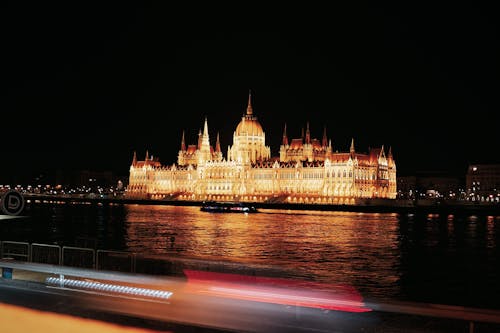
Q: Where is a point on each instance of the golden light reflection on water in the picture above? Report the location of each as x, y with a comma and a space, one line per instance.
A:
332, 247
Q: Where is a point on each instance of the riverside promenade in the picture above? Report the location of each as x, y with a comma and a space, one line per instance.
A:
422, 206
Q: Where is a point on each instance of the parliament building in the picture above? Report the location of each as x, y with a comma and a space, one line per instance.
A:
306, 171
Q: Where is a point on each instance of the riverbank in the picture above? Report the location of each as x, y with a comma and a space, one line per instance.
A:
366, 205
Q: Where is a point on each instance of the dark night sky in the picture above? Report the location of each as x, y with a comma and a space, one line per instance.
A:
83, 86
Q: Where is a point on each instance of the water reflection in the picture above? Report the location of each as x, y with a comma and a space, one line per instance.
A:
339, 247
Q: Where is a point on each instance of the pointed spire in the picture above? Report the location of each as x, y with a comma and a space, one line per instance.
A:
285, 138
217, 144
324, 141
352, 150
183, 142
205, 140
200, 137
382, 152
147, 156
134, 158
249, 106
390, 159
308, 134
205, 127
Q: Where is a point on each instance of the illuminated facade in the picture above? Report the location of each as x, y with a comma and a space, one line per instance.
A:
483, 182
306, 171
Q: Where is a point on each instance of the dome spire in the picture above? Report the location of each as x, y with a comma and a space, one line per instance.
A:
249, 106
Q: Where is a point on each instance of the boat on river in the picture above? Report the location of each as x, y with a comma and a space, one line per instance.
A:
227, 207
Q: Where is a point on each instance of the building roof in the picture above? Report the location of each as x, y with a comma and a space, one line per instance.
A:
249, 125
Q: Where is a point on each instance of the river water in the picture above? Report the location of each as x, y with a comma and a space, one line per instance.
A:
451, 260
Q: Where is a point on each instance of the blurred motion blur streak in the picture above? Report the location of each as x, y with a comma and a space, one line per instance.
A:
275, 290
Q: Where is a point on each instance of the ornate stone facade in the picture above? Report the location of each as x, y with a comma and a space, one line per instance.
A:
306, 171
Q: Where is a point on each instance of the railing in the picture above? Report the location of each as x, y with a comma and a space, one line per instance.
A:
15, 250
83, 257
115, 260
45, 254
119, 261
82, 272
48, 254
78, 257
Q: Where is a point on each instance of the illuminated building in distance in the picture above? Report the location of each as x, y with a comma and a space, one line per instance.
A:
306, 171
483, 182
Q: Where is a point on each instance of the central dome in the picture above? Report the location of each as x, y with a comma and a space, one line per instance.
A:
249, 125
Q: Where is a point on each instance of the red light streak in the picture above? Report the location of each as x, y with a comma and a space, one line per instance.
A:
275, 290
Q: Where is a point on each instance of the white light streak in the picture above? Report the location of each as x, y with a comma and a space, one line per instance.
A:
109, 287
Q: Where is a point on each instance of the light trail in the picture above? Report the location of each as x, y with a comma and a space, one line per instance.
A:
108, 287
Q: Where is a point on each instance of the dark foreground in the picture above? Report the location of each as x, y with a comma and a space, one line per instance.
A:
206, 307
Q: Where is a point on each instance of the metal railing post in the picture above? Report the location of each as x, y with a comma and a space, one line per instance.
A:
85, 249
37, 250
16, 251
